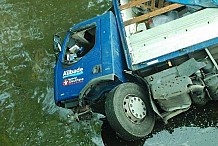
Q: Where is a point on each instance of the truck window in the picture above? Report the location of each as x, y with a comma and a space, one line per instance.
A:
79, 44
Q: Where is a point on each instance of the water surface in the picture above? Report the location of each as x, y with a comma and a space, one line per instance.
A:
28, 115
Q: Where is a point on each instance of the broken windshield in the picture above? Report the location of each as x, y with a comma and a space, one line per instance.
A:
79, 44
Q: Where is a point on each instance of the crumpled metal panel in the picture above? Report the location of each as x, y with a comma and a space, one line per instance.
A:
171, 88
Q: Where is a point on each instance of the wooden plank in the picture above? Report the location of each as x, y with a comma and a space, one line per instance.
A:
132, 4
152, 14
152, 5
160, 3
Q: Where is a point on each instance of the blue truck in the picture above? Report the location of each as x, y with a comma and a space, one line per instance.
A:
139, 61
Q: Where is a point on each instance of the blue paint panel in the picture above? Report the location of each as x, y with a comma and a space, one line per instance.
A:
122, 33
113, 59
87, 62
106, 53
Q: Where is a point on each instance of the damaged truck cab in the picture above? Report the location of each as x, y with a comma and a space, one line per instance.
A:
139, 60
90, 57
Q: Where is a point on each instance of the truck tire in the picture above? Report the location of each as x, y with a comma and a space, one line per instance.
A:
128, 111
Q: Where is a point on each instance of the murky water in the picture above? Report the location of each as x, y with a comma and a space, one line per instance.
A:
28, 115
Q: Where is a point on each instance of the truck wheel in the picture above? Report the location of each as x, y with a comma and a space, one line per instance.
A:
128, 111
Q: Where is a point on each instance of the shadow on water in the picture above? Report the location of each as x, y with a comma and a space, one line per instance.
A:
196, 127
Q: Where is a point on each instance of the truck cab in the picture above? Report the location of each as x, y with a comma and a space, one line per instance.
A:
140, 60
90, 54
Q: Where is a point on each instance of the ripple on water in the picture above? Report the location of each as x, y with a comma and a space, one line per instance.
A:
97, 140
50, 107
26, 73
3, 97
184, 136
2, 1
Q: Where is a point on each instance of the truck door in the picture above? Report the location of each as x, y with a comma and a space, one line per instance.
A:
80, 59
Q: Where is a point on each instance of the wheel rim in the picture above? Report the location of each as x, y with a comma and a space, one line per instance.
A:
134, 108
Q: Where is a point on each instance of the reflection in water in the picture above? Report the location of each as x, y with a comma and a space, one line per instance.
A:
28, 115
197, 127
185, 136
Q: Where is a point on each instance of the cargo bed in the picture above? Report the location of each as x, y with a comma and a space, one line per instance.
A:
181, 36
173, 36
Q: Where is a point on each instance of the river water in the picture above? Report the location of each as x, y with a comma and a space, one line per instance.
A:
28, 115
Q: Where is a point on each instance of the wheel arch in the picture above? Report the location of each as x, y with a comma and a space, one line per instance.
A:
144, 83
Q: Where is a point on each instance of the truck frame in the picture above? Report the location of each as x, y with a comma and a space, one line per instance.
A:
136, 62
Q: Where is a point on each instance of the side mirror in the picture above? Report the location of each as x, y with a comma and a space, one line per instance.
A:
57, 43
